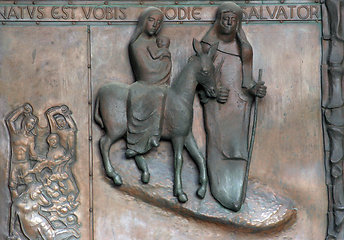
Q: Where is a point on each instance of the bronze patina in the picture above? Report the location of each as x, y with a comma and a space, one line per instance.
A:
150, 102
45, 205
142, 75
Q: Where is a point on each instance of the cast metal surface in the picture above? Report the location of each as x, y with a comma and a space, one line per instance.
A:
227, 118
333, 110
66, 56
149, 109
43, 189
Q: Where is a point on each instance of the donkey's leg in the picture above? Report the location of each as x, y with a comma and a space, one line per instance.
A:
105, 143
142, 165
178, 145
197, 156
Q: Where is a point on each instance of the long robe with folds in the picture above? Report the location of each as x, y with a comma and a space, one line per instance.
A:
227, 129
146, 97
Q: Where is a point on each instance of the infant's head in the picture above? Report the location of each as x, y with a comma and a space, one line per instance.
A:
163, 42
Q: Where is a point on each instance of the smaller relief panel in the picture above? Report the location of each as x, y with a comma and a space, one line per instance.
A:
44, 192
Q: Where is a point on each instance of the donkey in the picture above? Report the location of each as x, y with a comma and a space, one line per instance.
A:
111, 115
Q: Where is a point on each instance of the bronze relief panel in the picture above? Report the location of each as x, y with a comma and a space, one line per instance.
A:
40, 62
77, 66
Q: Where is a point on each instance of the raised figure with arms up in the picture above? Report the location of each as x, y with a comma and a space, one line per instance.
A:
22, 146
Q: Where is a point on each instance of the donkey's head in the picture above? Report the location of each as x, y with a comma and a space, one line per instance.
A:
205, 68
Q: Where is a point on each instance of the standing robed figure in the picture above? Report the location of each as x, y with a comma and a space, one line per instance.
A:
227, 118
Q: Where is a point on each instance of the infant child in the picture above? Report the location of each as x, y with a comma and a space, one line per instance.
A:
160, 50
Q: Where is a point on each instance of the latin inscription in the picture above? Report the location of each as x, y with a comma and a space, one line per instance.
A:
171, 13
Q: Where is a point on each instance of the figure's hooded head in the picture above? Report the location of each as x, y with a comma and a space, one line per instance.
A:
143, 24
222, 16
220, 32
219, 28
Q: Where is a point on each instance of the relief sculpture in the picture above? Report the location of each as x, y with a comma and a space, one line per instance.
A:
150, 109
156, 108
227, 118
333, 112
43, 189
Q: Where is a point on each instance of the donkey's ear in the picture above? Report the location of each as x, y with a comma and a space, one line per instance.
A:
197, 46
213, 49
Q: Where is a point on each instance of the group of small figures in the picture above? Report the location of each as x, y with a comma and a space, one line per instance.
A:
42, 186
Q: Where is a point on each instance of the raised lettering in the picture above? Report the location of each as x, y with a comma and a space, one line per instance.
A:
281, 11
87, 14
21, 12
195, 14
189, 13
299, 12
123, 16
3, 14
253, 12
181, 13
271, 15
12, 13
174, 12
73, 14
53, 13
31, 12
95, 13
261, 13
244, 13
108, 13
40, 10
116, 12
315, 13
291, 10
66, 15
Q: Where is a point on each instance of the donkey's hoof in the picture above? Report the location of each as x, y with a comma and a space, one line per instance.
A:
145, 177
116, 179
201, 192
182, 198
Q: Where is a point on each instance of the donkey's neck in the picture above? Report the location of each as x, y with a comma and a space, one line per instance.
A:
184, 86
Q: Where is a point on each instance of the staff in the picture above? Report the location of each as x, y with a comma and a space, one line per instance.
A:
253, 133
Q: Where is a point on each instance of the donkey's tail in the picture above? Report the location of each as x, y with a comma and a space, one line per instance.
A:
97, 117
